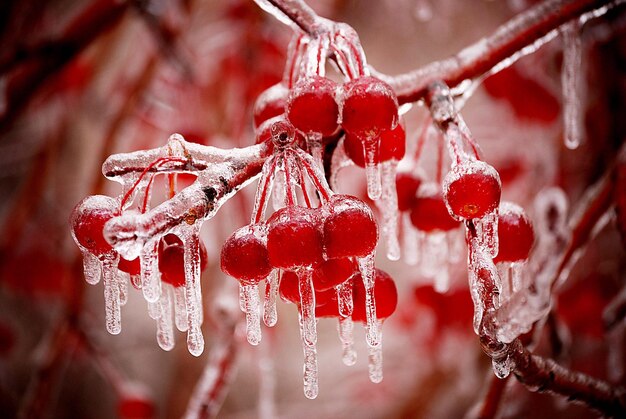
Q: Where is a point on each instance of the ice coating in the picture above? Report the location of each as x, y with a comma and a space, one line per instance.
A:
388, 205
571, 82
487, 232
484, 283
193, 295
307, 306
310, 378
270, 316
502, 367
92, 268
344, 298
113, 315
165, 324
150, 275
366, 267
372, 168
251, 304
346, 327
180, 309
375, 360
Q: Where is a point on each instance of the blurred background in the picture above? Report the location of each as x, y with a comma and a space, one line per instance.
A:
83, 79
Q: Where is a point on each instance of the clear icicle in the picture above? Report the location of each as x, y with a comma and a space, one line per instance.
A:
242, 298
92, 268
180, 309
571, 84
311, 387
516, 271
487, 232
346, 328
112, 313
165, 326
410, 241
193, 297
366, 266
375, 362
502, 367
506, 284
344, 298
150, 275
154, 310
389, 208
122, 282
270, 316
372, 169
252, 307
307, 306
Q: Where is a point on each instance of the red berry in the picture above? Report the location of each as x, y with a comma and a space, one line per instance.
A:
288, 288
369, 107
350, 230
88, 219
270, 103
391, 146
472, 189
333, 272
132, 267
326, 304
311, 106
429, 212
294, 238
135, 406
244, 255
172, 260
407, 185
385, 296
515, 234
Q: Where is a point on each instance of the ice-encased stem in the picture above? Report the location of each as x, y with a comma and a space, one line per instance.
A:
571, 84
92, 268
193, 296
112, 310
307, 306
346, 328
366, 266
165, 326
252, 306
270, 316
487, 232
150, 275
389, 209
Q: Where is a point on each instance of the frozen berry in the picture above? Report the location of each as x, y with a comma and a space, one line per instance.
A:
332, 272
326, 304
391, 146
244, 255
350, 230
88, 219
472, 189
407, 185
385, 296
132, 267
266, 131
429, 212
288, 288
515, 234
294, 238
172, 260
311, 106
369, 107
270, 103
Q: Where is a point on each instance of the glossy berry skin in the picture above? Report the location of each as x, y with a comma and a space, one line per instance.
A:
288, 288
135, 407
472, 190
131, 267
350, 230
391, 146
172, 260
515, 234
245, 257
270, 103
333, 272
326, 304
311, 106
369, 107
385, 296
87, 222
294, 238
429, 212
407, 185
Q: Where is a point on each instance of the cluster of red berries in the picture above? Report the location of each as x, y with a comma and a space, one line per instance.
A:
326, 240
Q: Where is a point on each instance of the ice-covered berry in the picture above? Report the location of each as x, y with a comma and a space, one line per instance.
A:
515, 234
472, 189
370, 107
172, 260
391, 146
429, 212
333, 272
244, 255
407, 185
270, 103
350, 230
288, 288
267, 130
311, 106
132, 267
385, 296
88, 219
294, 237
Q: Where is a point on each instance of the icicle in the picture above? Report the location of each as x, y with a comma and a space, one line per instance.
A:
366, 266
372, 168
571, 84
502, 367
92, 268
270, 316
193, 296
516, 271
311, 387
242, 298
150, 275
434, 259
113, 315
122, 282
389, 209
344, 298
315, 146
410, 241
506, 285
484, 283
487, 232
307, 306
278, 191
154, 310
165, 327
252, 307
346, 327
180, 309
375, 360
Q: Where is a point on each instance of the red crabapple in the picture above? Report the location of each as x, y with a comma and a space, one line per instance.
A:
172, 260
88, 219
350, 230
333, 272
391, 146
270, 103
311, 106
294, 238
515, 234
385, 296
429, 212
245, 257
472, 189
